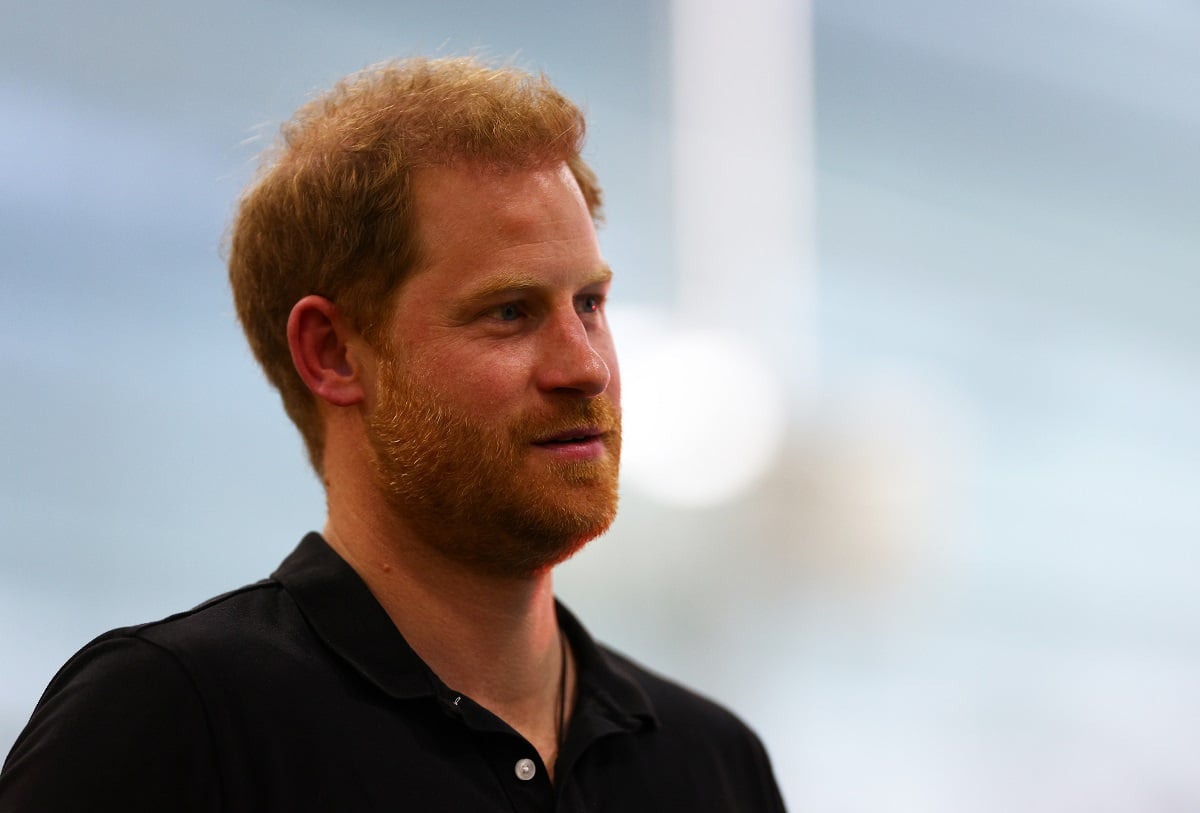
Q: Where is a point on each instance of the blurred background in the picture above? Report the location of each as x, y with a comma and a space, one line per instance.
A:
905, 299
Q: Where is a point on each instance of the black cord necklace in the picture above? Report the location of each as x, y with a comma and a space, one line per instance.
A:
562, 691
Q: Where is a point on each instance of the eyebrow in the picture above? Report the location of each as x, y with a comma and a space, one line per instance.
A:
511, 283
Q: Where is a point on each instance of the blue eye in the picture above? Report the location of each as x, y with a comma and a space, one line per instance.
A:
507, 313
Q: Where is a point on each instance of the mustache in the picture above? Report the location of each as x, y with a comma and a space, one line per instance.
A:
599, 415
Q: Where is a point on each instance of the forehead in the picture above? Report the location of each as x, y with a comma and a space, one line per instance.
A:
473, 219
497, 199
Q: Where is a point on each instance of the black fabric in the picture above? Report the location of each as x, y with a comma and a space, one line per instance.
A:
298, 693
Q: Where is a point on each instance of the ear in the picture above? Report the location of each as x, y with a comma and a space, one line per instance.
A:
324, 351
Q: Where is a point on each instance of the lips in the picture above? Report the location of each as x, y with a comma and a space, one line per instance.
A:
583, 434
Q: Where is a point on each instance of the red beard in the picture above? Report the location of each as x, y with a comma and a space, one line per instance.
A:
477, 491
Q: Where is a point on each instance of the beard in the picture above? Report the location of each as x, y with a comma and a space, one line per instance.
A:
476, 491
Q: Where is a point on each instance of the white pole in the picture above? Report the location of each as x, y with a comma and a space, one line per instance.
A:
743, 176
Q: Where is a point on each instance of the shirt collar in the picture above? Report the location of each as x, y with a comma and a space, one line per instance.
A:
605, 679
347, 618
344, 614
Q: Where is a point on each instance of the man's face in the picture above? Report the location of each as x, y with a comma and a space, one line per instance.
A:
495, 423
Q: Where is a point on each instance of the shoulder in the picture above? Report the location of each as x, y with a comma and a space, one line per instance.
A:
154, 662
675, 705
251, 648
131, 715
93, 723
702, 739
231, 618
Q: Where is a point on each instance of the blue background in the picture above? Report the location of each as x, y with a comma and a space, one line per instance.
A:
968, 580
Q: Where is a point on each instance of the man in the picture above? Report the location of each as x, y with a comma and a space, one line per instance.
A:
417, 270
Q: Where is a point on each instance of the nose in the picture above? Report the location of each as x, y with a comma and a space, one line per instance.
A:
570, 361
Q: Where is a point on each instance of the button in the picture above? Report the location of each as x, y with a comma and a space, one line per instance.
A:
525, 769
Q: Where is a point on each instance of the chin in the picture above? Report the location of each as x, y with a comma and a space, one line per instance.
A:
534, 544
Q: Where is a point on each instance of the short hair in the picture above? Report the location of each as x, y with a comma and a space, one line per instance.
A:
331, 211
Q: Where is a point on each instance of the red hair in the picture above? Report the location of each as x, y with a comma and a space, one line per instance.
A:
331, 210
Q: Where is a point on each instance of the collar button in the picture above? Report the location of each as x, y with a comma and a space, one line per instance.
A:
525, 769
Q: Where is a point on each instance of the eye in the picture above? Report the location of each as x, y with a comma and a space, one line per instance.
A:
591, 303
507, 313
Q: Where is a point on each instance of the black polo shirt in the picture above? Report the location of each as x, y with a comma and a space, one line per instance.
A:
298, 693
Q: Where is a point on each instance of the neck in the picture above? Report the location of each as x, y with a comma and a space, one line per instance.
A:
494, 639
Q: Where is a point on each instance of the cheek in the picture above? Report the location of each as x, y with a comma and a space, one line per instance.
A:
486, 383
